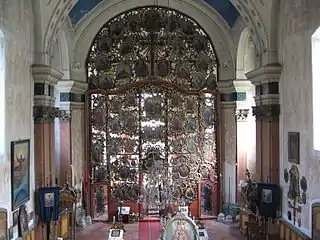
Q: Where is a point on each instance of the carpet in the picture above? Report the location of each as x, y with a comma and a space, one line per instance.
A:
149, 230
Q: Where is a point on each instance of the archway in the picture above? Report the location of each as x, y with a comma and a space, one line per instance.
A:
247, 61
152, 112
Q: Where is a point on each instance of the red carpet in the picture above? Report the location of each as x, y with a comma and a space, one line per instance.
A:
149, 230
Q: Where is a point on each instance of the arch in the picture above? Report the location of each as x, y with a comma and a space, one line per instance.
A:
246, 54
205, 16
60, 54
247, 11
2, 98
151, 68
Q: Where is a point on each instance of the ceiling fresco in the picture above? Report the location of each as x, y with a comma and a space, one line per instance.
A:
227, 11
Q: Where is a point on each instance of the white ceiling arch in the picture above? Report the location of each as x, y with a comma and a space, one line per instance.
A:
206, 17
245, 7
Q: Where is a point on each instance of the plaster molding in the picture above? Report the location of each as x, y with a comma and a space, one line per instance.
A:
253, 20
226, 86
265, 74
205, 16
43, 100
57, 19
72, 86
242, 85
228, 106
46, 74
68, 106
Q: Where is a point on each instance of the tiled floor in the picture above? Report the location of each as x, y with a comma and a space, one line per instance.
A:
216, 231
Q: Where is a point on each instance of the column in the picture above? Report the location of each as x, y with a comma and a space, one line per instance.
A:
246, 126
228, 142
72, 131
44, 113
266, 111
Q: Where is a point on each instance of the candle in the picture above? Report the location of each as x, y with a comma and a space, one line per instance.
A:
114, 219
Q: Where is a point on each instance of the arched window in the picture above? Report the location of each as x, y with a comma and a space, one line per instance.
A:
2, 98
316, 88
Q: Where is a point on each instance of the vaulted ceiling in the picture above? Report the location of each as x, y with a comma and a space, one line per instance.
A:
226, 9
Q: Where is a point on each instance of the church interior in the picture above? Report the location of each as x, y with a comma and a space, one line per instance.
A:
159, 119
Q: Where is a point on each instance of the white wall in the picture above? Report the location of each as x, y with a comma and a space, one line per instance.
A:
17, 25
299, 20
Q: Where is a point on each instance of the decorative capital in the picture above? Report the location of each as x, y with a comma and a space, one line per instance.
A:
242, 114
267, 112
44, 114
64, 115
47, 114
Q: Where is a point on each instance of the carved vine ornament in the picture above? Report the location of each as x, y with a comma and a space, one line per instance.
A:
47, 114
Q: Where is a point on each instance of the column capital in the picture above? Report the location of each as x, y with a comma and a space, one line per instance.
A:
47, 114
269, 112
266, 74
242, 114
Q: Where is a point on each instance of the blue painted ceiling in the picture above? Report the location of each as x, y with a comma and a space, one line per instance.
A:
223, 7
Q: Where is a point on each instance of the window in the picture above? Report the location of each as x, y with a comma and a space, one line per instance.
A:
2, 99
316, 88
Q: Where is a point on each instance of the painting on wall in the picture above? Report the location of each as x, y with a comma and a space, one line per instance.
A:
20, 173
294, 147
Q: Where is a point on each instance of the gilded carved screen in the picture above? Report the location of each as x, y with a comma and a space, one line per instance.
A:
152, 104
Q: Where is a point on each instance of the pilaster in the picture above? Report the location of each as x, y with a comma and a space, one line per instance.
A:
44, 114
228, 141
266, 111
71, 130
245, 132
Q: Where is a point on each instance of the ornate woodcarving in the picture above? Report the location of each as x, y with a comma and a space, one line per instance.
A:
47, 114
152, 110
267, 112
242, 114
